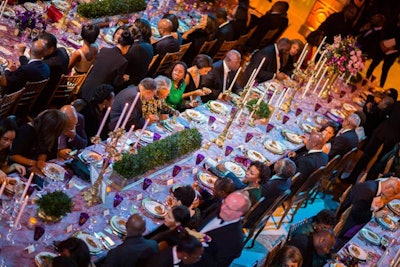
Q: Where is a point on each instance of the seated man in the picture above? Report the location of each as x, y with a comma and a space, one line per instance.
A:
219, 79
316, 248
346, 139
135, 248
36, 70
74, 136
325, 219
225, 30
167, 43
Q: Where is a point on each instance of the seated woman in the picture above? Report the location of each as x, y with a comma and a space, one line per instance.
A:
294, 53
329, 130
95, 110
36, 141
82, 59
177, 74
77, 250
202, 64
8, 128
287, 256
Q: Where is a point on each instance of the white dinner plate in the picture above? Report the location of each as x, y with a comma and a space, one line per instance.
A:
394, 206
173, 125
147, 136
54, 171
92, 242
236, 169
12, 184
292, 137
357, 252
255, 155
319, 119
349, 107
118, 224
275, 147
41, 257
218, 107
337, 113
155, 208
370, 236
90, 156
195, 115
207, 179
386, 221
33, 7
308, 128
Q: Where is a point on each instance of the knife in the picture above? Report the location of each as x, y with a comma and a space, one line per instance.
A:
102, 241
107, 239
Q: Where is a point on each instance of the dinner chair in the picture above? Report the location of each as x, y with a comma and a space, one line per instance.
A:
166, 62
255, 225
155, 57
225, 47
294, 226
183, 48
207, 45
297, 198
68, 86
241, 42
343, 218
7, 103
327, 179
272, 254
342, 199
342, 170
268, 38
29, 96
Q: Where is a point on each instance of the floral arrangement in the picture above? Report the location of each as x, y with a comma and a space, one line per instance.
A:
344, 55
96, 9
30, 20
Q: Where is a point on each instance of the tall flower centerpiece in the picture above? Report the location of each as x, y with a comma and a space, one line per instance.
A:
30, 20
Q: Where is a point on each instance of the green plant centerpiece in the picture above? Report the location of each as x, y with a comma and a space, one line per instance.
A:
262, 112
53, 206
158, 153
97, 9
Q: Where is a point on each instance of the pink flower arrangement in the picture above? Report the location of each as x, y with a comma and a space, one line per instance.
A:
344, 55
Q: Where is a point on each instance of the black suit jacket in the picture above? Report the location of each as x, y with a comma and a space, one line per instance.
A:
108, 68
139, 57
33, 72
370, 43
133, 250
225, 33
307, 164
361, 197
214, 80
166, 45
343, 143
161, 259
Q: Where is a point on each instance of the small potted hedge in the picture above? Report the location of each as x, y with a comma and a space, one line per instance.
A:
53, 206
263, 112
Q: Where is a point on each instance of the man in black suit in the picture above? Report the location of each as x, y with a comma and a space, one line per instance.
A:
147, 88
367, 197
309, 162
273, 55
109, 67
224, 226
135, 248
35, 70
167, 43
346, 139
225, 30
219, 79
188, 251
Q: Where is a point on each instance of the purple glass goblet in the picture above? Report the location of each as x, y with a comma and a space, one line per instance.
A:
199, 158
317, 107
298, 111
146, 183
330, 98
249, 136
117, 200
269, 127
156, 137
39, 231
176, 170
342, 93
211, 120
285, 119
228, 150
83, 217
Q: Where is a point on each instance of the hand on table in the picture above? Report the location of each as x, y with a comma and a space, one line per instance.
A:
153, 118
3, 176
281, 76
19, 168
64, 153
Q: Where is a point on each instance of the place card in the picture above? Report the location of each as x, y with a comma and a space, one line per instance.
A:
71, 184
170, 182
139, 197
69, 228
30, 249
106, 212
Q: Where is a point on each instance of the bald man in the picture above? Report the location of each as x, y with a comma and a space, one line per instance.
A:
36, 70
74, 136
219, 79
167, 43
135, 249
307, 163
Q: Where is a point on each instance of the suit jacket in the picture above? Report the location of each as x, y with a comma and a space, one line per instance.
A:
305, 244
139, 57
268, 69
361, 197
163, 258
108, 68
32, 72
165, 45
343, 143
127, 96
80, 140
93, 118
306, 164
214, 80
132, 250
370, 43
225, 33
334, 25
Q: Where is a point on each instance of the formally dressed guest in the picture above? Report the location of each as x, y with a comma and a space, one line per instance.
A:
147, 88
175, 221
36, 70
316, 248
36, 142
145, 29
8, 129
346, 139
365, 198
82, 59
177, 94
77, 250
271, 66
135, 249
117, 33
225, 30
310, 161
74, 136
329, 130
167, 43
202, 65
197, 35
376, 112
189, 250
222, 74
339, 23
325, 219
109, 67
240, 18
175, 26
287, 256
61, 261
288, 63
94, 111
371, 35
223, 224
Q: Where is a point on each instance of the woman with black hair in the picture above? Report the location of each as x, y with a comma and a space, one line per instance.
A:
77, 250
8, 128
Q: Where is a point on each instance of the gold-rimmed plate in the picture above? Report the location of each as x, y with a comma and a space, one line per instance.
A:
292, 137
349, 107
394, 206
173, 125
370, 236
218, 107
254, 155
357, 252
154, 208
207, 179
118, 224
195, 115
92, 242
147, 136
44, 258
236, 169
308, 128
54, 171
275, 147
90, 156
386, 221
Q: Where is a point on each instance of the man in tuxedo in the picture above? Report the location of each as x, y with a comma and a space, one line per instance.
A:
346, 139
221, 76
223, 224
167, 43
273, 55
367, 197
36, 70
135, 248
225, 30
147, 88
308, 162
